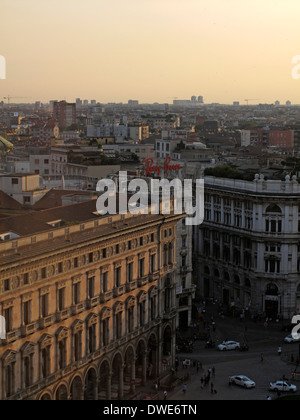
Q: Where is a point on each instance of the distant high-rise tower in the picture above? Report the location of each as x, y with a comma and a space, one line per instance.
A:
200, 99
194, 99
64, 113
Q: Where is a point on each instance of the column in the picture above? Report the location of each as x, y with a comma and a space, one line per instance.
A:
132, 383
144, 373
121, 382
108, 389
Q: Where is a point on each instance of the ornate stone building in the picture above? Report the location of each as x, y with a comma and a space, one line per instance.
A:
248, 248
89, 303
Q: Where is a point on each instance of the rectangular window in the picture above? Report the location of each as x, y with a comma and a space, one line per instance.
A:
27, 312
105, 282
26, 278
118, 277
8, 315
91, 287
45, 305
142, 267
152, 263
129, 272
61, 299
76, 293
6, 285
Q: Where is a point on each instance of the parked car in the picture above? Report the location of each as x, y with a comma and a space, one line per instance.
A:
242, 381
282, 386
290, 339
229, 345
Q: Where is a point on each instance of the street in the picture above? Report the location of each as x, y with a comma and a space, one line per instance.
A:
262, 340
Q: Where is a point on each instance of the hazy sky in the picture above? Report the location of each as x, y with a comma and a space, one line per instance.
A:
150, 50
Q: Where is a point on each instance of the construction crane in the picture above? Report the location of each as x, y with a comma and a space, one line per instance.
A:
247, 100
8, 97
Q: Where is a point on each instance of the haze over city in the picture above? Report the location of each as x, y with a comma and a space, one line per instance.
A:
150, 50
149, 202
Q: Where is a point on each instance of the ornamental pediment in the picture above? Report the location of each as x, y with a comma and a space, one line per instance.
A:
105, 313
77, 326
92, 319
118, 307
62, 333
9, 357
142, 296
45, 341
130, 302
27, 349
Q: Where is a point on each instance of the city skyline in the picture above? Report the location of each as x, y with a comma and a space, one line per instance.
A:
151, 51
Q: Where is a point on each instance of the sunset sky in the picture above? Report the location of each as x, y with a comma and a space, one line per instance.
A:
150, 50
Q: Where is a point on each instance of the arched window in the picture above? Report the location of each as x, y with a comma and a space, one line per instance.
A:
272, 290
248, 283
226, 277
273, 208
237, 280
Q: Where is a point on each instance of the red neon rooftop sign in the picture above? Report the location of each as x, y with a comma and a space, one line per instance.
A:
156, 169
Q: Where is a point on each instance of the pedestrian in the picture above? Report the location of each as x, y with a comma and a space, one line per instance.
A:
279, 351
214, 372
165, 395
184, 388
202, 382
212, 388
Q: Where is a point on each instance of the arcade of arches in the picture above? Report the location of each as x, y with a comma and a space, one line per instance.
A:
119, 374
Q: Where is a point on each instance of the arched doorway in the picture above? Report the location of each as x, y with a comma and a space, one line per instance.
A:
152, 357
104, 382
167, 342
141, 364
272, 301
91, 386
46, 397
129, 371
77, 389
61, 393
117, 378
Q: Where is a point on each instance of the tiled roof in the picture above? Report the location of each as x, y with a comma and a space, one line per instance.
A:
35, 222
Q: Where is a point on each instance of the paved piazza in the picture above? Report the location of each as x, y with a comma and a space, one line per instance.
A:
261, 341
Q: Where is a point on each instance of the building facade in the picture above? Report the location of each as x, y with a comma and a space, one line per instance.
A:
64, 113
266, 137
89, 303
247, 251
